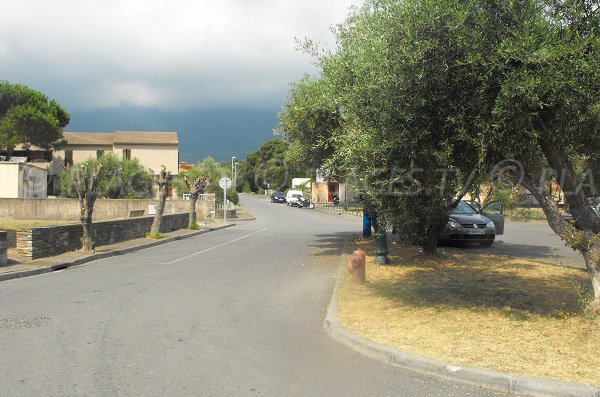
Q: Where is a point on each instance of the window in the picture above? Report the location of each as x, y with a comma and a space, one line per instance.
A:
68, 158
127, 154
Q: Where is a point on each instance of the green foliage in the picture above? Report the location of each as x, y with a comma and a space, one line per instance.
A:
28, 117
422, 98
214, 171
156, 236
121, 178
269, 166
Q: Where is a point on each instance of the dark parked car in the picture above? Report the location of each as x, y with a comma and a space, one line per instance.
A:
594, 203
466, 224
278, 197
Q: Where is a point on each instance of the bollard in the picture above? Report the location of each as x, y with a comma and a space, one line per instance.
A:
356, 266
3, 248
366, 225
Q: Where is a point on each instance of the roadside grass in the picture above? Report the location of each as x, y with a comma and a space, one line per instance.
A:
475, 310
14, 224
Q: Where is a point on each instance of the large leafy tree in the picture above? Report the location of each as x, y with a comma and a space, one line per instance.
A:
393, 108
28, 117
547, 116
460, 87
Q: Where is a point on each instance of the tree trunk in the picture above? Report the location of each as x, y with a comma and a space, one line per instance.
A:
430, 243
162, 198
584, 241
192, 218
87, 242
87, 191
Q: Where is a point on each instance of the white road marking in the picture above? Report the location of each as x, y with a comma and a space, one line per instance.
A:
215, 247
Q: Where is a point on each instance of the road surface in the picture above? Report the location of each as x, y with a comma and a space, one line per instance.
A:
533, 240
236, 312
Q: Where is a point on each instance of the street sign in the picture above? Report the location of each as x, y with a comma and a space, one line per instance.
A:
225, 183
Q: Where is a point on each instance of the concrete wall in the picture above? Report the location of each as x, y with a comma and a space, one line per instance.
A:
41, 242
104, 209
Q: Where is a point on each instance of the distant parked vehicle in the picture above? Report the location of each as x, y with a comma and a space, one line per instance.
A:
305, 202
336, 199
278, 197
291, 197
468, 225
594, 203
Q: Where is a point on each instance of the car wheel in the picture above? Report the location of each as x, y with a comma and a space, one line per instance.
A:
487, 243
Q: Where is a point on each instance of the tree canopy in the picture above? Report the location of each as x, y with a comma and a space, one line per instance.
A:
269, 166
422, 98
28, 117
119, 178
214, 171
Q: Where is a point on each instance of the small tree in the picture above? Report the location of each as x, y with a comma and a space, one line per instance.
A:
195, 183
85, 182
163, 180
120, 178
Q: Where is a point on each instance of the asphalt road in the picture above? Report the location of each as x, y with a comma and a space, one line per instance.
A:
237, 312
532, 240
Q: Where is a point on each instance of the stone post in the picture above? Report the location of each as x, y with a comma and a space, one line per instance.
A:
381, 249
3, 248
356, 266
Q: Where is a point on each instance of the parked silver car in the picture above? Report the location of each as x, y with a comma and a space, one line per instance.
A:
466, 224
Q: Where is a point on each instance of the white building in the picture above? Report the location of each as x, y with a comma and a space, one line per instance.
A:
22, 180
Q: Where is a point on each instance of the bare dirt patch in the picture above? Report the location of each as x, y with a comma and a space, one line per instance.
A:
482, 311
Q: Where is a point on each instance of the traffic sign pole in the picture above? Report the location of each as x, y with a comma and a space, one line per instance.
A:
225, 183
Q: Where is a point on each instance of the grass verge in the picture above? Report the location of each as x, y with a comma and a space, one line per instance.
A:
482, 311
11, 225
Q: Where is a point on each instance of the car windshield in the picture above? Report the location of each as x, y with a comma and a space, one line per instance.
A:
278, 194
296, 195
463, 209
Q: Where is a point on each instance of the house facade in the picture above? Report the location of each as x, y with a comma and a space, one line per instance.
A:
152, 149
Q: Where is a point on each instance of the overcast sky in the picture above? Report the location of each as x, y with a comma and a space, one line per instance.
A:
170, 54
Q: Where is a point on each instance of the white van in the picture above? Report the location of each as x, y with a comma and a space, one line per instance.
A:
291, 197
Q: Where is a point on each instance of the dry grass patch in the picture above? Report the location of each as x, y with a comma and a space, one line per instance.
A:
13, 224
505, 314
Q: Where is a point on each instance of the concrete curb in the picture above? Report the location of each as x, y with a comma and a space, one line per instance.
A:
101, 255
509, 383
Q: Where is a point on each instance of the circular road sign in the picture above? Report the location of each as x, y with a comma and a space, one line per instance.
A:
225, 183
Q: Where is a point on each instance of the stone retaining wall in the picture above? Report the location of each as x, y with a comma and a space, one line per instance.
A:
44, 241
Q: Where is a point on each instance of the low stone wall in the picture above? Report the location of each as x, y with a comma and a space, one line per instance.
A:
3, 247
44, 241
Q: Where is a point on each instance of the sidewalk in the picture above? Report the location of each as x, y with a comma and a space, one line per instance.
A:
19, 266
